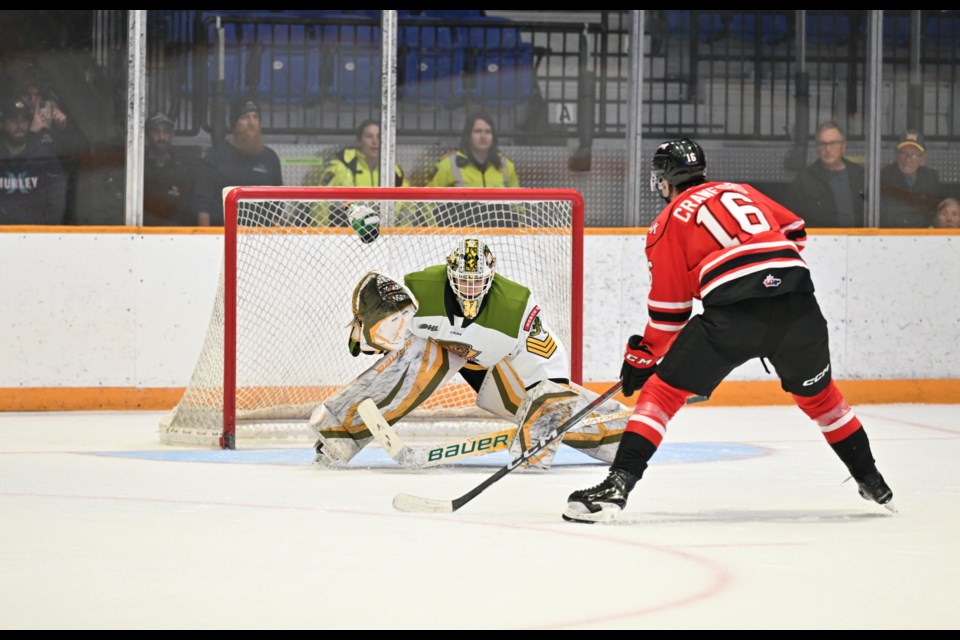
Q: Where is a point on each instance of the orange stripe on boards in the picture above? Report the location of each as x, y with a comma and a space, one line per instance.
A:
88, 399
729, 394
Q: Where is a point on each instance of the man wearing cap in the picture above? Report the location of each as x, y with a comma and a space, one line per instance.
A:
33, 187
909, 190
240, 161
168, 176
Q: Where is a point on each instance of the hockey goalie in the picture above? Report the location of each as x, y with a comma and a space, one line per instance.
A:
462, 318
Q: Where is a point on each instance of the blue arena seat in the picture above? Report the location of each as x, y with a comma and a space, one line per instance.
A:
499, 64
896, 30
356, 64
833, 29
774, 27
942, 28
710, 24
431, 64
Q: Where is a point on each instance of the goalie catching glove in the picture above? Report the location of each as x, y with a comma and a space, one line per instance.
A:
638, 365
382, 311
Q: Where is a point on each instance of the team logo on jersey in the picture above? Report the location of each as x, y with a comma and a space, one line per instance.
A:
459, 348
530, 318
770, 281
653, 228
537, 327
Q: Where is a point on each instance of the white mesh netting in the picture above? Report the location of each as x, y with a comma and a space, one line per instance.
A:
294, 282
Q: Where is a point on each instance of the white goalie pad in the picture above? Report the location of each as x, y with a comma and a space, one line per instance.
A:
398, 382
549, 404
501, 390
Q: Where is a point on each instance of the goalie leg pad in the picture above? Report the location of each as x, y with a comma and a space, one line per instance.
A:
502, 391
601, 439
335, 445
549, 404
545, 407
398, 382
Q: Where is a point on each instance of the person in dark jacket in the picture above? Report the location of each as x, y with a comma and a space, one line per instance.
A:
829, 192
168, 176
33, 186
909, 190
241, 161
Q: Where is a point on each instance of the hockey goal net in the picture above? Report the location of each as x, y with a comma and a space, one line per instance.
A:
276, 345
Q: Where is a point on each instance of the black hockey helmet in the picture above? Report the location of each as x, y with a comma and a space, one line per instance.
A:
677, 162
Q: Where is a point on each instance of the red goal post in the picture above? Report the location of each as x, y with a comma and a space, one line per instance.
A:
276, 346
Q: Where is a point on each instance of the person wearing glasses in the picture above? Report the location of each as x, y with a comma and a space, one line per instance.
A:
909, 190
829, 192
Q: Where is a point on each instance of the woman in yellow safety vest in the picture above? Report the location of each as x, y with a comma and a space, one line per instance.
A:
357, 166
478, 161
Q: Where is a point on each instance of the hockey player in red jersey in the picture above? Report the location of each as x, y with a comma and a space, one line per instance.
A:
737, 251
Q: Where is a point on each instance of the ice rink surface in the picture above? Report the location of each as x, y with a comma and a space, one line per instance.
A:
742, 521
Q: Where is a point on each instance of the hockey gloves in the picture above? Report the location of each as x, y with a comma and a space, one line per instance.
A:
638, 365
382, 311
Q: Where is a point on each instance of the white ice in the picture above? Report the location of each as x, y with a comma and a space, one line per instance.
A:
102, 529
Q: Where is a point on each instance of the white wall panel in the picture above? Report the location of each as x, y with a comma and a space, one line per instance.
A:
124, 310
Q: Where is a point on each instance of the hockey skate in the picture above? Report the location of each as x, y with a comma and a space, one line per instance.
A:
602, 503
874, 487
333, 453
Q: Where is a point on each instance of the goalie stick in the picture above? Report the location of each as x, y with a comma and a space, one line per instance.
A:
407, 502
423, 457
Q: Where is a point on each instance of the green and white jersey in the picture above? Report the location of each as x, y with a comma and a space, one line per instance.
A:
510, 323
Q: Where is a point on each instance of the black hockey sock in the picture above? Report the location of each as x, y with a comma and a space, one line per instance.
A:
633, 454
854, 451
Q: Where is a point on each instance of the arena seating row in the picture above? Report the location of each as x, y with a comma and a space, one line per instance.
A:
830, 28
294, 56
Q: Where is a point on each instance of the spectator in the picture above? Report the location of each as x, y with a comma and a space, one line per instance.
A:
478, 161
359, 166
53, 126
32, 182
947, 215
243, 160
168, 177
355, 166
829, 192
909, 189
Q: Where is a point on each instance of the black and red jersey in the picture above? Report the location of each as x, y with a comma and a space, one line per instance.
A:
719, 242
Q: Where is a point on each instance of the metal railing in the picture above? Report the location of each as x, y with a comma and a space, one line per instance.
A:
721, 74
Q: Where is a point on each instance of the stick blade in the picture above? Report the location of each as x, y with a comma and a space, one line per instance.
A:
415, 504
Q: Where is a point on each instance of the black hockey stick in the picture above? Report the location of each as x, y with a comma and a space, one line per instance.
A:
407, 502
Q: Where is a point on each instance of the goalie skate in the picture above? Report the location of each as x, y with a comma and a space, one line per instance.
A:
333, 453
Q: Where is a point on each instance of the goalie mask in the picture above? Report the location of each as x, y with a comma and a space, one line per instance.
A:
470, 272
